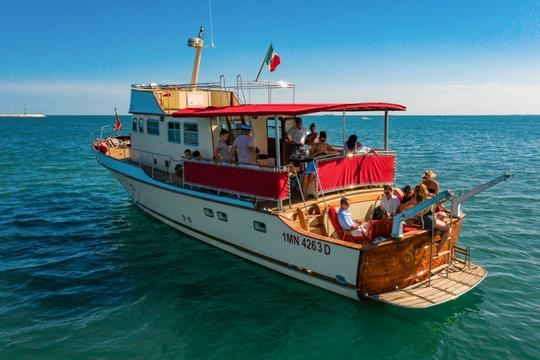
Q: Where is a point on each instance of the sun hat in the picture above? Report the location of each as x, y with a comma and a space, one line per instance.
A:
428, 174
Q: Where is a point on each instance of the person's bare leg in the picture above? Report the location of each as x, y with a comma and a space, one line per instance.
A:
445, 232
306, 180
441, 215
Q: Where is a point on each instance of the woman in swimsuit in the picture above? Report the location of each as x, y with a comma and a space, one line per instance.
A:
431, 184
426, 217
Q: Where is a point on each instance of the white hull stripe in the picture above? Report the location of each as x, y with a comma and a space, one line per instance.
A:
163, 186
203, 196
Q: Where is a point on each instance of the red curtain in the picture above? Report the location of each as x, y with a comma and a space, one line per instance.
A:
376, 169
259, 183
343, 172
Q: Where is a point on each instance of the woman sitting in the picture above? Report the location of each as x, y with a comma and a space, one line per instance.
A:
431, 184
353, 146
426, 217
319, 148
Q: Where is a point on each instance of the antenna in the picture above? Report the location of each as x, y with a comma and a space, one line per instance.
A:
211, 24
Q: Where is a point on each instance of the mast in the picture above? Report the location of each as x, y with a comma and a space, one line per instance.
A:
196, 43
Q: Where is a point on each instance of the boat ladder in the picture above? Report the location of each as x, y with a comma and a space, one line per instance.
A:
464, 252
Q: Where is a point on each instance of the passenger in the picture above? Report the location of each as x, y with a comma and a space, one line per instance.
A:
310, 139
187, 154
389, 202
320, 147
222, 151
244, 145
353, 146
197, 155
296, 135
347, 223
421, 194
431, 184
407, 194
178, 170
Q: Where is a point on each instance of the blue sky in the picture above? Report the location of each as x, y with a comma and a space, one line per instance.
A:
436, 57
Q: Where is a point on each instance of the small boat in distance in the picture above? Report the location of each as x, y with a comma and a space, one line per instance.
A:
256, 208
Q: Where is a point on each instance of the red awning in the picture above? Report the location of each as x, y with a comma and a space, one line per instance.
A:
284, 109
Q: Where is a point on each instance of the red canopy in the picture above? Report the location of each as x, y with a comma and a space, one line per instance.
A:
284, 109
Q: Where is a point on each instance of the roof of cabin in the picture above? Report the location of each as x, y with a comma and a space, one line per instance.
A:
284, 109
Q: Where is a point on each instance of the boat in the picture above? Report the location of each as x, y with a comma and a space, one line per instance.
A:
258, 212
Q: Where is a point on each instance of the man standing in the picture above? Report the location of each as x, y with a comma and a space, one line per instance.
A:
389, 202
346, 222
297, 134
245, 147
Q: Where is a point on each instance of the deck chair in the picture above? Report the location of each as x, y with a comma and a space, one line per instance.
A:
343, 234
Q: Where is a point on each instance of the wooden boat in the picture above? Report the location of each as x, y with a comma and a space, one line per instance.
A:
256, 211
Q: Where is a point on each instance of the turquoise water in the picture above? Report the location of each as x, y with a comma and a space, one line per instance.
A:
84, 274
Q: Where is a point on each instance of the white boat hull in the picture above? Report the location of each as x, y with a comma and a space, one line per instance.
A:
315, 261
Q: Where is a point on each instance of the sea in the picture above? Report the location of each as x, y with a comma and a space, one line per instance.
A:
85, 274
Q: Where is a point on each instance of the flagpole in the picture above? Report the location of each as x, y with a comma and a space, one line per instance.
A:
265, 55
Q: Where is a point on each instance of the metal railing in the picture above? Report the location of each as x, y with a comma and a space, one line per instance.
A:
399, 219
342, 155
265, 85
170, 162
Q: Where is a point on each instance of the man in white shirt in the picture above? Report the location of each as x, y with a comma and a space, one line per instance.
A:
389, 202
297, 134
244, 145
346, 222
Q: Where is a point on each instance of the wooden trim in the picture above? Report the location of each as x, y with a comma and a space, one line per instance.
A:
327, 239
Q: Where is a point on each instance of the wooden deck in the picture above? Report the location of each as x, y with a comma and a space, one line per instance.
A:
441, 289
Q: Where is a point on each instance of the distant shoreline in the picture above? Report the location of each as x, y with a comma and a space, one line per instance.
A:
22, 115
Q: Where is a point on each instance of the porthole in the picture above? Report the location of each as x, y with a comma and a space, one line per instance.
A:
259, 226
222, 216
208, 212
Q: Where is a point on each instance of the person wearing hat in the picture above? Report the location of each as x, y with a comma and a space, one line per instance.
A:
431, 184
346, 222
244, 145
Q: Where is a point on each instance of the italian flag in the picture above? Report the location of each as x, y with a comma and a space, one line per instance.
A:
272, 59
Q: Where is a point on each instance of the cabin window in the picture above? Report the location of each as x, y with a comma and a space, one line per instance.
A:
270, 128
191, 134
208, 212
259, 226
134, 125
152, 127
173, 131
222, 216
141, 125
